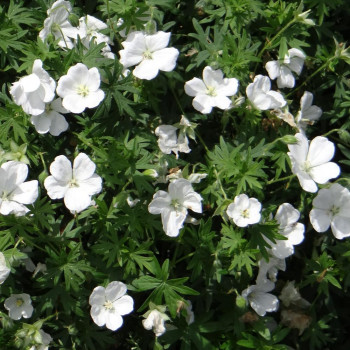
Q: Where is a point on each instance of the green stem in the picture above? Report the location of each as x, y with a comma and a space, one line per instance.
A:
331, 132
280, 179
270, 42
111, 24
312, 75
202, 141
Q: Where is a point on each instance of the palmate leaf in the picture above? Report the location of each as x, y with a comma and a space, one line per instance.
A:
163, 288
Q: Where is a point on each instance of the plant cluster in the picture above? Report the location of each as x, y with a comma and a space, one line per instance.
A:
174, 174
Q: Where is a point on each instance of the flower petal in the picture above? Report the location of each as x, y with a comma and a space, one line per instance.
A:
83, 167
157, 41
324, 172
194, 87
25, 193
146, 70
321, 151
76, 200
113, 321
320, 219
61, 169
97, 296
165, 59
124, 305
115, 290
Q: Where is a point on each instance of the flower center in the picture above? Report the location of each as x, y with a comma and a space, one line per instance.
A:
334, 210
108, 305
307, 166
147, 55
19, 302
245, 213
4, 196
176, 205
83, 90
73, 183
211, 91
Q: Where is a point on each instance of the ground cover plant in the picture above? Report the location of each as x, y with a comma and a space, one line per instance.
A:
174, 174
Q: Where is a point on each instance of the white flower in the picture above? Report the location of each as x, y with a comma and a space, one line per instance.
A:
212, 91
293, 61
173, 205
80, 88
45, 341
14, 192
4, 270
33, 91
331, 207
109, 304
259, 298
311, 163
287, 217
89, 29
57, 24
244, 211
168, 141
75, 185
308, 113
51, 120
19, 305
155, 320
270, 269
291, 296
260, 95
149, 53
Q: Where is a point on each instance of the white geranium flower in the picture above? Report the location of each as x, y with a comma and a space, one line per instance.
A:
79, 89
57, 24
155, 320
291, 296
109, 304
149, 53
260, 95
244, 211
287, 217
308, 113
173, 205
212, 91
259, 298
331, 207
293, 61
33, 91
19, 305
270, 269
14, 192
75, 185
45, 341
51, 120
90, 29
311, 163
4, 270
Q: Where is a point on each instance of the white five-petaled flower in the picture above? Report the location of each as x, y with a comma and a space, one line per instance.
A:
260, 95
173, 205
155, 320
331, 207
149, 52
287, 217
212, 91
51, 120
79, 89
4, 270
33, 91
311, 163
259, 298
282, 70
19, 305
308, 113
57, 24
90, 29
244, 211
75, 185
109, 304
14, 192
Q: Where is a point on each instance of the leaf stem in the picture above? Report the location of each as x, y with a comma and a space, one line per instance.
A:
280, 179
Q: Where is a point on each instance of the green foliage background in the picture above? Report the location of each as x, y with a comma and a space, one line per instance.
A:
242, 151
